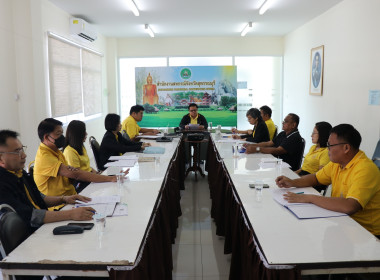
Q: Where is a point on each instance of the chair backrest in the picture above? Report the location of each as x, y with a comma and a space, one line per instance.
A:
125, 135
275, 131
302, 150
376, 155
13, 229
95, 147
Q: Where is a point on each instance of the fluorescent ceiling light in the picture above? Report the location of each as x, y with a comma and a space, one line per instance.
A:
246, 29
264, 7
149, 30
133, 7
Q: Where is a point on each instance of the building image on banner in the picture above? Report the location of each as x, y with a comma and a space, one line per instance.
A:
166, 92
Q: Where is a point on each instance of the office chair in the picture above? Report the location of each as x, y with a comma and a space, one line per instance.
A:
125, 135
376, 155
275, 132
13, 229
302, 150
95, 147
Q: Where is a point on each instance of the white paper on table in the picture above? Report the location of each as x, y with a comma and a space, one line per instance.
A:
148, 136
124, 163
312, 211
272, 164
101, 200
230, 140
278, 194
121, 209
105, 208
134, 157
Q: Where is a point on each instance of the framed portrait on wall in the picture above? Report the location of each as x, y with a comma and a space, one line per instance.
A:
316, 71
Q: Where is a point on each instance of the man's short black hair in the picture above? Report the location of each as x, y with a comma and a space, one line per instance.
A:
136, 109
266, 110
111, 122
192, 105
348, 134
47, 126
5, 134
295, 118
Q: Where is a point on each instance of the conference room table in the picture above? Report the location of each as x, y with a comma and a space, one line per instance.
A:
136, 246
266, 241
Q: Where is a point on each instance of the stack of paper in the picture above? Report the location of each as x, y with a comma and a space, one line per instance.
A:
122, 163
303, 210
108, 205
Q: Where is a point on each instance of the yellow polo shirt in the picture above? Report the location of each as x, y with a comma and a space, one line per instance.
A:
131, 127
315, 158
271, 128
74, 159
46, 167
360, 180
195, 120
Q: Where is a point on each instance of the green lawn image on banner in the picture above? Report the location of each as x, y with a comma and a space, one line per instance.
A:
166, 92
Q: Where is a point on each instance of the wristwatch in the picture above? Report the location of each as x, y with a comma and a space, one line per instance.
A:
258, 149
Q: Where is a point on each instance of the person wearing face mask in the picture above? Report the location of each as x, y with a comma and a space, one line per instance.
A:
51, 172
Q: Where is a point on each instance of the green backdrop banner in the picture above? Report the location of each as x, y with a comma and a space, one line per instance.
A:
165, 93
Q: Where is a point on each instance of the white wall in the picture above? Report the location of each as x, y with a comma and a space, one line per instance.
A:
349, 32
23, 67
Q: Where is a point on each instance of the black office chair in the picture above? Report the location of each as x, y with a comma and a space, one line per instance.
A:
376, 155
275, 132
125, 135
95, 147
13, 229
302, 150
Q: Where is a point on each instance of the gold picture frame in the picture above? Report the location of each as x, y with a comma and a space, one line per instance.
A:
316, 70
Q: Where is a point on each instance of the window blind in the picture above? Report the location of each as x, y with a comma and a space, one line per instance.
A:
75, 76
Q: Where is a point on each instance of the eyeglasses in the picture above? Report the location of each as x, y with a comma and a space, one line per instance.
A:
194, 110
329, 145
16, 152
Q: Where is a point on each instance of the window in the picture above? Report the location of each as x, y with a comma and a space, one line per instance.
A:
75, 76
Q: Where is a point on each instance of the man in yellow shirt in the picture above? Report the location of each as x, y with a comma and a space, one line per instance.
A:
193, 117
266, 114
51, 171
130, 125
354, 177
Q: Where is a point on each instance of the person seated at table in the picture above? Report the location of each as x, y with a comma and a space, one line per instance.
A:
18, 189
130, 125
354, 177
287, 145
51, 172
193, 118
266, 114
318, 155
74, 151
260, 131
113, 143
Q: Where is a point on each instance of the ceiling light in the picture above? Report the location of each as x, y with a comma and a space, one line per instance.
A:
133, 7
246, 29
149, 30
264, 7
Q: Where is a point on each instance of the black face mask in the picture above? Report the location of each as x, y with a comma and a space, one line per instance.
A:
60, 142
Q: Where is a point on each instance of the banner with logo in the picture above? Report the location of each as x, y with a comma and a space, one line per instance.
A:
166, 92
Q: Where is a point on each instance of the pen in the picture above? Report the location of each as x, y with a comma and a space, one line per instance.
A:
299, 192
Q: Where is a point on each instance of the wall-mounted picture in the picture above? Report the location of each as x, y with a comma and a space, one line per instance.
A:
316, 71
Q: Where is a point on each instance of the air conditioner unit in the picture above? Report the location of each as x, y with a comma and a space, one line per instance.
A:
82, 29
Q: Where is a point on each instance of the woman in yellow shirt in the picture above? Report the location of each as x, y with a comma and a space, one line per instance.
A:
318, 156
75, 153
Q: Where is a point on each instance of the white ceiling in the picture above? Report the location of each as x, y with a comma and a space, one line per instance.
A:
189, 18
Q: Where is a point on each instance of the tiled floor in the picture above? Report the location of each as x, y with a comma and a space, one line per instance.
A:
198, 251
